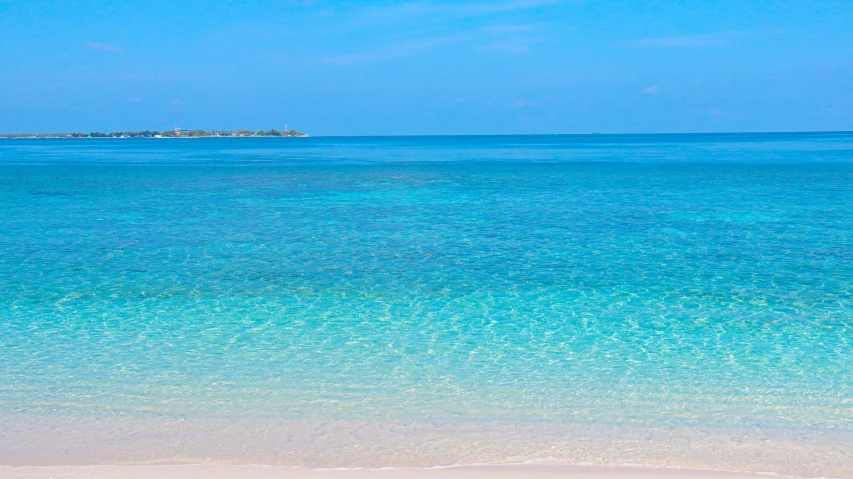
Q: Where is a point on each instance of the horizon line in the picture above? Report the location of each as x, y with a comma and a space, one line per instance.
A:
6, 135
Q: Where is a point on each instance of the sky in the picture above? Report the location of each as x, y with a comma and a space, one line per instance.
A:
427, 67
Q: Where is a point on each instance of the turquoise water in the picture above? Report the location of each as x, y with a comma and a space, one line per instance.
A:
626, 283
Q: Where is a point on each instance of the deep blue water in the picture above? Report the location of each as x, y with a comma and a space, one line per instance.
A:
700, 281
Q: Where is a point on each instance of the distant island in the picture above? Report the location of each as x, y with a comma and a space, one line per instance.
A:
173, 133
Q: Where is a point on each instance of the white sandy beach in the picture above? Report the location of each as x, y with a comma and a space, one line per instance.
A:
270, 472
163, 447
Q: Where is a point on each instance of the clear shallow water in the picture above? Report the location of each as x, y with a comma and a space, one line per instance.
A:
626, 284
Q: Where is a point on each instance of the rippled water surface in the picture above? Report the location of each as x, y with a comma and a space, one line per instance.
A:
619, 283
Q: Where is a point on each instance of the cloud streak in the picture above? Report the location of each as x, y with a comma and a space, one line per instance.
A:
422, 26
102, 47
708, 40
419, 10
512, 45
404, 49
509, 28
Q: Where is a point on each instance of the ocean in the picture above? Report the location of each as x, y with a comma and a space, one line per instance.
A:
664, 300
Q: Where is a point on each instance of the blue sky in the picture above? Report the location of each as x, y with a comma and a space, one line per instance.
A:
428, 67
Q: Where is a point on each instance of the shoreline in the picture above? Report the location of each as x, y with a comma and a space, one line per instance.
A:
224, 471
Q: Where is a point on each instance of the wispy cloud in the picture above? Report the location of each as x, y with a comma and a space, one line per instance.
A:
652, 90
522, 104
508, 38
496, 38
102, 47
509, 28
401, 50
422, 26
512, 45
419, 10
717, 112
717, 39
